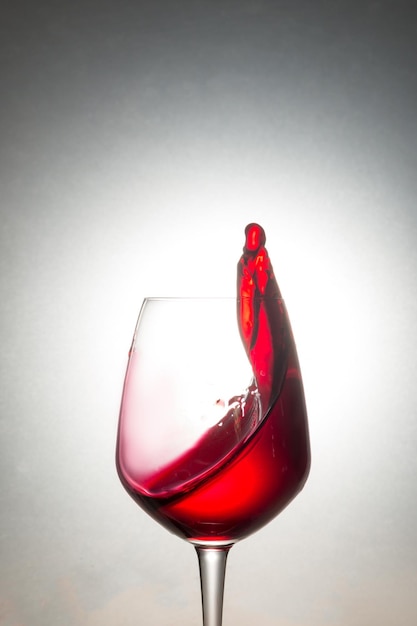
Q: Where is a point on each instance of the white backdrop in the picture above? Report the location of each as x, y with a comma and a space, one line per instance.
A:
138, 140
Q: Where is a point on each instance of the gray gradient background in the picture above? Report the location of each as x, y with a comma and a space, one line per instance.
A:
135, 138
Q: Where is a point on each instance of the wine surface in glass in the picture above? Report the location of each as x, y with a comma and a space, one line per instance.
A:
249, 481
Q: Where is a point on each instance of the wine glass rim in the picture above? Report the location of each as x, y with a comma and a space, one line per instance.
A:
205, 298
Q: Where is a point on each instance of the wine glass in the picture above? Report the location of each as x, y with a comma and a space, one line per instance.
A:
213, 439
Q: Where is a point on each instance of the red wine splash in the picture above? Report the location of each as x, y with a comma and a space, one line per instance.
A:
262, 321
238, 477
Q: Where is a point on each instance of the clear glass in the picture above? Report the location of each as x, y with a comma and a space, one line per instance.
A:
202, 448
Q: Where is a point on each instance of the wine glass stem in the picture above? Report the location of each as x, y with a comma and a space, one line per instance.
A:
212, 563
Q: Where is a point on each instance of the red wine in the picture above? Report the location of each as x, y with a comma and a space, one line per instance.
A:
237, 478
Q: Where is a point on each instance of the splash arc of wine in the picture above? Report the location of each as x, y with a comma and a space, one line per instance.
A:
262, 320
